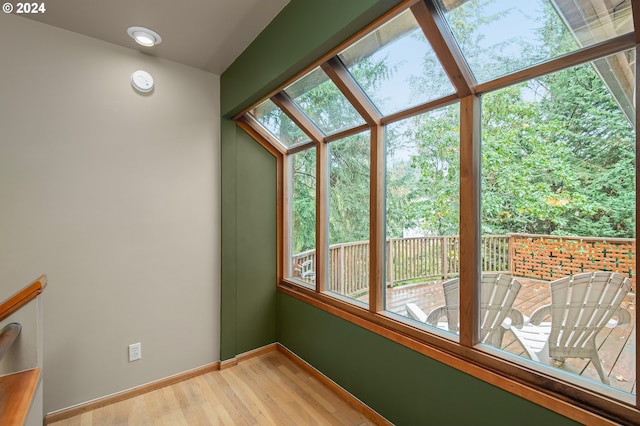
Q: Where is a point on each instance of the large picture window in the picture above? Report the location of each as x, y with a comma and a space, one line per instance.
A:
422, 213
558, 217
463, 175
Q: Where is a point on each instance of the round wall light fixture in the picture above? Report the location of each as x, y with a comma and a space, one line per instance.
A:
144, 36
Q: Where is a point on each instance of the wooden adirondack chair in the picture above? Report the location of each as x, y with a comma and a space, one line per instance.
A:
581, 306
498, 292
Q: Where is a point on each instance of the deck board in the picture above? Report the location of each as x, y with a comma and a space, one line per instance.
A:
616, 346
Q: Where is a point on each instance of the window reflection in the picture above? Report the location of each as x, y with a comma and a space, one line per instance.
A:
323, 102
396, 66
498, 37
278, 124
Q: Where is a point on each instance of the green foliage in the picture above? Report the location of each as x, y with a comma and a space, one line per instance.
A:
557, 151
349, 164
304, 201
349, 187
557, 155
602, 144
431, 200
560, 162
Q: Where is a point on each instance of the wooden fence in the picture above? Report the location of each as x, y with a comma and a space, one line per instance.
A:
421, 259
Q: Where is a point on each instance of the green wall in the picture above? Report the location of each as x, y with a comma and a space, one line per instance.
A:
248, 291
404, 386
303, 31
401, 384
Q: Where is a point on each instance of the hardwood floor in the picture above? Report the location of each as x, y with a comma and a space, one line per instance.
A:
267, 389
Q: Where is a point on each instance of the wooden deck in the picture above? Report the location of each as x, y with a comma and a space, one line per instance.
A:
616, 346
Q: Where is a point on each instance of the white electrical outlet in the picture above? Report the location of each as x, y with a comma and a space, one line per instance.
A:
135, 351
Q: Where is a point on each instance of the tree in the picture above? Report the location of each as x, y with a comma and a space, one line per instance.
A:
557, 152
349, 160
303, 213
602, 144
428, 163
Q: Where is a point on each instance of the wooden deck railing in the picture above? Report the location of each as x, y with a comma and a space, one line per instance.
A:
421, 259
349, 268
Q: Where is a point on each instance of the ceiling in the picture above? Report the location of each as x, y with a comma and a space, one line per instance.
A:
205, 34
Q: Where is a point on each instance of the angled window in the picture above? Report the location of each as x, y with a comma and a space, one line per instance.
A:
278, 124
498, 37
323, 102
396, 66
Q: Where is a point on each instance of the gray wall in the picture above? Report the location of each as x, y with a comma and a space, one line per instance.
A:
115, 196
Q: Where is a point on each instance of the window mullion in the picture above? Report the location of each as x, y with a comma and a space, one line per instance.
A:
588, 54
297, 116
635, 9
339, 74
254, 125
636, 15
376, 222
445, 47
286, 207
470, 258
322, 217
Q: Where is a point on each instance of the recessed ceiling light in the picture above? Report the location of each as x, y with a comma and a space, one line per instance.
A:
144, 36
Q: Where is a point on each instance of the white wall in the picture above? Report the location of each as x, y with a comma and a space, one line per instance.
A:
115, 197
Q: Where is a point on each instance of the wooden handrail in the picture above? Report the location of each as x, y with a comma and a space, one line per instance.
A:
22, 297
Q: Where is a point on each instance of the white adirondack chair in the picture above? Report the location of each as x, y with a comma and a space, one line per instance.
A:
498, 292
581, 306
414, 312
305, 270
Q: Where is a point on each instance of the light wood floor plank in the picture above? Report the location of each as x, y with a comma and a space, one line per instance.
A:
260, 388
305, 395
152, 405
212, 406
248, 394
276, 399
236, 408
268, 389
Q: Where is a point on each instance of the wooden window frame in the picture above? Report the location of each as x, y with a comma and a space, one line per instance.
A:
539, 387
